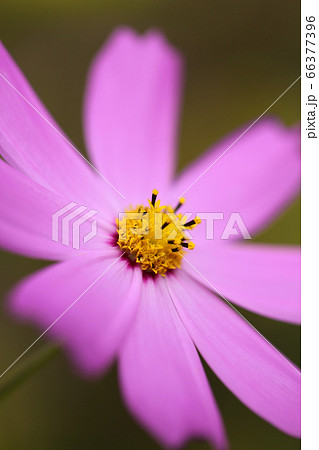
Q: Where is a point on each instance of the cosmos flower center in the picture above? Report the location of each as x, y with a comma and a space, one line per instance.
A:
155, 236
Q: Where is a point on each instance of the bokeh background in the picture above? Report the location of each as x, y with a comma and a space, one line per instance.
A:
240, 56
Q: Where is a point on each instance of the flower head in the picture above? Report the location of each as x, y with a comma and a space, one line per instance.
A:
143, 298
154, 237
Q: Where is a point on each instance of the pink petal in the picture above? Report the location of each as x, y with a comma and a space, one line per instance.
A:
256, 178
162, 378
26, 211
250, 367
130, 112
92, 329
31, 141
262, 278
11, 72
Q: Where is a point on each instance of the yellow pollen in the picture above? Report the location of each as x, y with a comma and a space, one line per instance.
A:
154, 236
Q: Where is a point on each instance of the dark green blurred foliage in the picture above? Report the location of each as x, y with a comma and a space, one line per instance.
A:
239, 57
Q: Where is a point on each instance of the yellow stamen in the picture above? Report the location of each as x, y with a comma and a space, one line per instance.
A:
179, 204
154, 237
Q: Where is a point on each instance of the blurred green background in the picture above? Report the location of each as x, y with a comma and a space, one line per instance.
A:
240, 56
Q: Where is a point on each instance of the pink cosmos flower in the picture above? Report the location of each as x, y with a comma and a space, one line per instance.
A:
152, 323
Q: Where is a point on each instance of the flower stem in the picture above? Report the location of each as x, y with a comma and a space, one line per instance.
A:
23, 372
